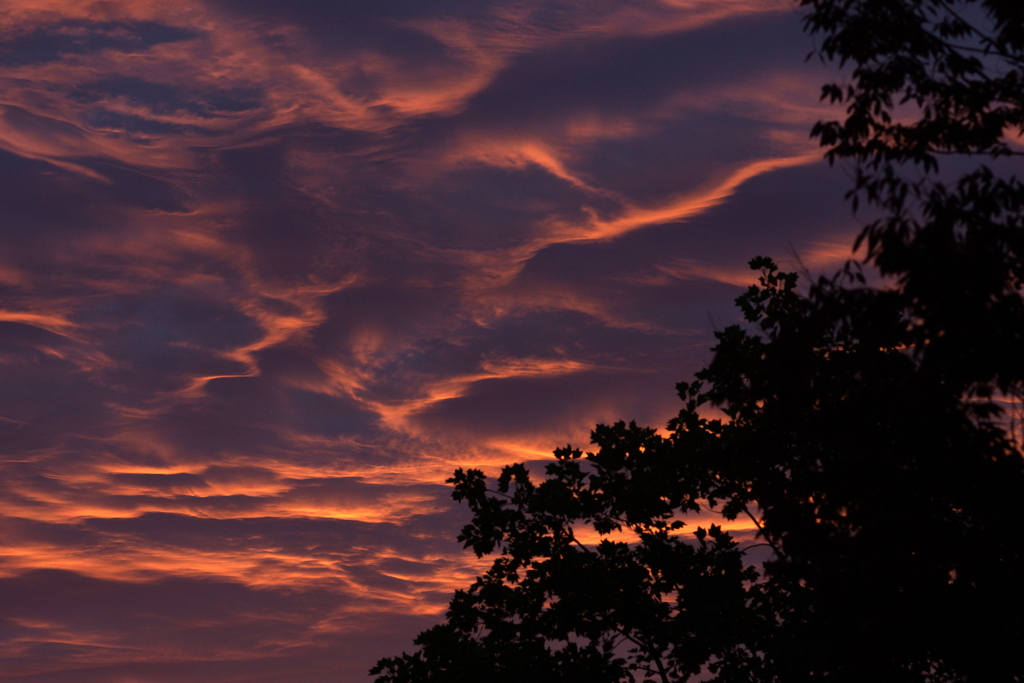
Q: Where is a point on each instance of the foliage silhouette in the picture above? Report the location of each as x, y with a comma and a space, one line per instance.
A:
870, 433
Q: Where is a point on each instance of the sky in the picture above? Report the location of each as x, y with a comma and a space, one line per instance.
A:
270, 270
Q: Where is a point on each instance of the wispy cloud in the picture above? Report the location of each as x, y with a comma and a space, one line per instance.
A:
271, 270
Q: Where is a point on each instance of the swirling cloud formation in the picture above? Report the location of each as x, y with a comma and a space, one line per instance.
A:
271, 269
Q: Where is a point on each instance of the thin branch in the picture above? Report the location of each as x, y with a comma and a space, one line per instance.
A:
647, 648
760, 532
985, 39
585, 549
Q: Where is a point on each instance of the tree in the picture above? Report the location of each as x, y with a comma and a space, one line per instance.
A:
868, 433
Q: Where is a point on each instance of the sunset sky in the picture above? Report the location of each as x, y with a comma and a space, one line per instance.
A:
272, 269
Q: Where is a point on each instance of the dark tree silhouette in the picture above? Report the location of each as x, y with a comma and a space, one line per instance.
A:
870, 433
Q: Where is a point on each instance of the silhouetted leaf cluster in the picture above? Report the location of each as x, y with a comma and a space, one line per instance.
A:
867, 432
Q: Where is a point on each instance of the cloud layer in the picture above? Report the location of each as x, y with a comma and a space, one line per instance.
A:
271, 270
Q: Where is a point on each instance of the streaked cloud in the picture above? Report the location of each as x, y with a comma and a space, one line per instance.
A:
271, 270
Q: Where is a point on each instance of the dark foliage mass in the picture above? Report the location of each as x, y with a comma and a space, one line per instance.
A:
871, 431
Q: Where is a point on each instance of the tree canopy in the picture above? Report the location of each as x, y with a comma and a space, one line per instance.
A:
870, 431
